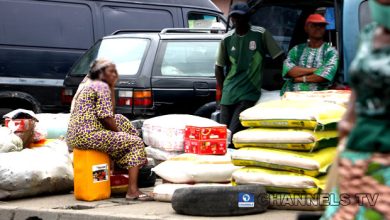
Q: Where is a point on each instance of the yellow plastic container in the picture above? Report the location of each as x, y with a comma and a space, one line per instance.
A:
91, 175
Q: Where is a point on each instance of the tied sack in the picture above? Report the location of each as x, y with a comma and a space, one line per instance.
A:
32, 172
192, 168
293, 114
311, 164
277, 181
9, 141
167, 132
289, 139
162, 155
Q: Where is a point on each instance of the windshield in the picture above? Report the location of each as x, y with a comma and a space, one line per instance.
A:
189, 58
126, 53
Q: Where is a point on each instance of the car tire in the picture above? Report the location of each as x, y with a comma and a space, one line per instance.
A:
219, 200
206, 110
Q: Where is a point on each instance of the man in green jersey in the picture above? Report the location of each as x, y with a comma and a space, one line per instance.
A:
242, 51
311, 66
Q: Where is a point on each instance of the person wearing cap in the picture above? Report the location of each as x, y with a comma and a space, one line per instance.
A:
311, 66
242, 52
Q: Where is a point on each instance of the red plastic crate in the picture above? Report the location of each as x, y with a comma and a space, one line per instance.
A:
205, 133
208, 147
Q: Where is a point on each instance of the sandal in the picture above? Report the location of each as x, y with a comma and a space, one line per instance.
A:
142, 197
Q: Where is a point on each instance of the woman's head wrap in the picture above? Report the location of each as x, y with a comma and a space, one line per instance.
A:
99, 65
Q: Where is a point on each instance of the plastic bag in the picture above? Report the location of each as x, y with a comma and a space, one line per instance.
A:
9, 141
31, 172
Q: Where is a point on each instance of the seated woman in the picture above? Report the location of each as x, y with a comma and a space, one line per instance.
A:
94, 126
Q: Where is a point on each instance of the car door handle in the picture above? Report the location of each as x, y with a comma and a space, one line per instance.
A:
201, 89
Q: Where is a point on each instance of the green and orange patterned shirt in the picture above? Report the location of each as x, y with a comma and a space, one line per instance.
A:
244, 56
324, 58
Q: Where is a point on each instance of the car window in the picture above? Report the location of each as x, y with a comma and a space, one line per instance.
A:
126, 53
364, 14
198, 20
46, 24
281, 25
124, 18
191, 59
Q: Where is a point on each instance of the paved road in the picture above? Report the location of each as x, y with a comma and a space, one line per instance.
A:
60, 208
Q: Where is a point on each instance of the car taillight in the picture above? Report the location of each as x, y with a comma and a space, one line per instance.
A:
66, 96
143, 98
218, 94
125, 98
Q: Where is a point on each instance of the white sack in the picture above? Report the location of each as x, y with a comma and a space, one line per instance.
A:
36, 171
159, 154
167, 132
164, 192
191, 168
9, 141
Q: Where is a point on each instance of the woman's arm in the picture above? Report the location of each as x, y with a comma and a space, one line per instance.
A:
347, 123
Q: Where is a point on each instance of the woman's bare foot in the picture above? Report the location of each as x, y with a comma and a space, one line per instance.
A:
140, 196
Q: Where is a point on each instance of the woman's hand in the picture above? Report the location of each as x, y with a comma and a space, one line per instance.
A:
110, 76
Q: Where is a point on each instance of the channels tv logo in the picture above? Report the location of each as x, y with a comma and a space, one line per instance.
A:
246, 200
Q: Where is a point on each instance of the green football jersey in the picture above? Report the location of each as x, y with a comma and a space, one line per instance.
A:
244, 55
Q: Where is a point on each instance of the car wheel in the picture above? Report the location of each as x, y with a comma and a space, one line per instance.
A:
206, 110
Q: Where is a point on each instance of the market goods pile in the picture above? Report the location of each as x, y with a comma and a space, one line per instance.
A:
288, 146
191, 150
166, 135
33, 160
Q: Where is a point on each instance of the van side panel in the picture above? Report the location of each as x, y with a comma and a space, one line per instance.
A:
45, 45
39, 42
119, 17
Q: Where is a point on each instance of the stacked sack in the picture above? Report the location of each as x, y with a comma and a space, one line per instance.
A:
192, 150
288, 147
165, 135
188, 170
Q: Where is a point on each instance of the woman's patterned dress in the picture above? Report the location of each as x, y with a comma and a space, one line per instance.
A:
364, 174
85, 130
